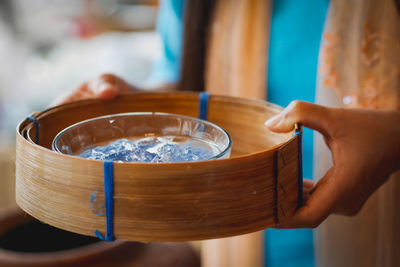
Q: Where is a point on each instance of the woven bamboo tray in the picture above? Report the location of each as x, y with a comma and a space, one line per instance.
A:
258, 187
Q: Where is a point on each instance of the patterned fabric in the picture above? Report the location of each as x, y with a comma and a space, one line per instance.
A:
359, 67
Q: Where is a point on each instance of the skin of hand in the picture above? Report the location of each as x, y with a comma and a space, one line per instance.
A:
106, 86
365, 148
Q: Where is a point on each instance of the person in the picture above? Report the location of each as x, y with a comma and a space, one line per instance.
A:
364, 149
363, 159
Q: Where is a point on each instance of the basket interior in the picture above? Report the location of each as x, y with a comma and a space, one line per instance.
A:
243, 120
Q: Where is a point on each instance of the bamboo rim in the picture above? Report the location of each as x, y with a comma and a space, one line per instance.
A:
256, 188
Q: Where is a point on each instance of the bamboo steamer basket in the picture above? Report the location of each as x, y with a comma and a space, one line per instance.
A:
259, 186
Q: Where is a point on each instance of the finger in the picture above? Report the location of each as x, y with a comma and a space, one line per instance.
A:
308, 187
71, 96
106, 86
107, 91
310, 115
318, 206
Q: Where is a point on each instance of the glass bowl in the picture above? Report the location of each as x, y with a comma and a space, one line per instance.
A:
145, 130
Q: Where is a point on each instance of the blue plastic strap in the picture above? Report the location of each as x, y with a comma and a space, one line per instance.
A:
298, 132
37, 125
203, 105
109, 198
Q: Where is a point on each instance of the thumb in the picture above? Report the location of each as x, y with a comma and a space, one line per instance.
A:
107, 86
320, 204
102, 88
106, 90
310, 115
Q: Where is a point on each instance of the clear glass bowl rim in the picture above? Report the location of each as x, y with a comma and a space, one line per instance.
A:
221, 154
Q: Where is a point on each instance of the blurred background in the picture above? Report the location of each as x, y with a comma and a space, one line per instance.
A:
46, 49
49, 47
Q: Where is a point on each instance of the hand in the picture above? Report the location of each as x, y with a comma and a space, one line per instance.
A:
106, 86
365, 147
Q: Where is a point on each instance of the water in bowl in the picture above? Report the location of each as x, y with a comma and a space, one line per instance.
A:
154, 149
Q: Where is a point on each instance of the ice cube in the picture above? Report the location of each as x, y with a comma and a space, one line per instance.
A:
149, 149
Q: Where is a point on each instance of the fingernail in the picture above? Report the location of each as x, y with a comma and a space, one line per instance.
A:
105, 86
272, 122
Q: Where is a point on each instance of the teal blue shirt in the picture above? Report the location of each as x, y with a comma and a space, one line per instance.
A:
296, 29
